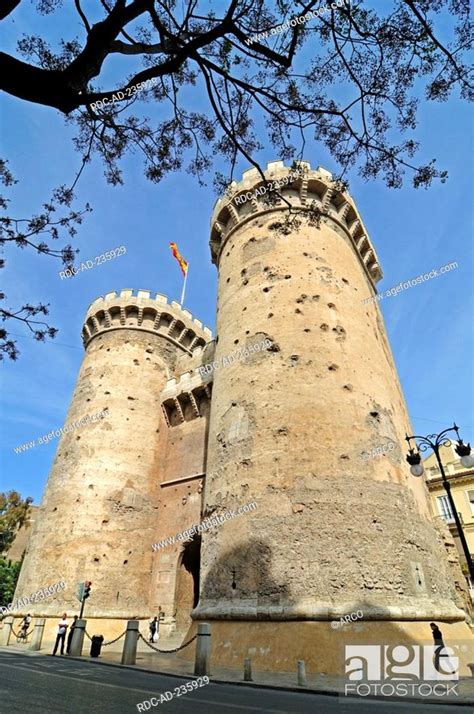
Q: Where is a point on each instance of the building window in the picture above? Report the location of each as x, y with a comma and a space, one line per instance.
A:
445, 509
470, 498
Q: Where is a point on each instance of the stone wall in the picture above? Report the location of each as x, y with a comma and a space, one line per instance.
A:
102, 505
291, 425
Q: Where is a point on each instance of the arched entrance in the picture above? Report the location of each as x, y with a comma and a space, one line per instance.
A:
187, 583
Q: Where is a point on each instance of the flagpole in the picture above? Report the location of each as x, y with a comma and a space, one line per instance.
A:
184, 285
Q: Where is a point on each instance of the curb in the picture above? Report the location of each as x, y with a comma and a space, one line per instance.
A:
256, 685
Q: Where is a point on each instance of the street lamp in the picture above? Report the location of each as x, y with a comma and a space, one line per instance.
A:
464, 451
434, 442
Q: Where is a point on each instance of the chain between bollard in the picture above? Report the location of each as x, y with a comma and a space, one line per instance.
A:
140, 636
105, 644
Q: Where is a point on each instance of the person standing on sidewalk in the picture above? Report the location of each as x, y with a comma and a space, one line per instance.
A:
70, 634
439, 646
62, 627
153, 627
161, 616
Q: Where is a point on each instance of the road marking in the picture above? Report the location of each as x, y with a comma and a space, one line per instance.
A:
80, 673
62, 676
245, 707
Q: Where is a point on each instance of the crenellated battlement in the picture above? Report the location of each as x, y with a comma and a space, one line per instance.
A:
186, 397
311, 187
184, 382
145, 311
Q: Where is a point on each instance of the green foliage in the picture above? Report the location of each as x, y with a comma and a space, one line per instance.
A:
9, 573
14, 513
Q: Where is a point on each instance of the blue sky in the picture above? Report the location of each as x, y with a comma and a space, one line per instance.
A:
414, 231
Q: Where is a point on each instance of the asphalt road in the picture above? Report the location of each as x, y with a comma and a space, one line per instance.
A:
61, 686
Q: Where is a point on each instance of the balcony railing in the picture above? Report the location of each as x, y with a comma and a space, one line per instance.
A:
449, 518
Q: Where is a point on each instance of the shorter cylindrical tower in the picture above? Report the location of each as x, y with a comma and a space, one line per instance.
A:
99, 513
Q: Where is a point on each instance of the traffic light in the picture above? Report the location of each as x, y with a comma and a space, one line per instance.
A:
87, 589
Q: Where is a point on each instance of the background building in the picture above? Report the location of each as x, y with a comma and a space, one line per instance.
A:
462, 490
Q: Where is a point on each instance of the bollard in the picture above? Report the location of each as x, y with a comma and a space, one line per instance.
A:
129, 653
37, 636
203, 650
301, 673
6, 631
248, 670
77, 642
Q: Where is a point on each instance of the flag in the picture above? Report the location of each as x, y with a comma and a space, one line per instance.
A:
182, 262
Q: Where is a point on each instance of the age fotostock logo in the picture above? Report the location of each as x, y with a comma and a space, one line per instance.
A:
400, 670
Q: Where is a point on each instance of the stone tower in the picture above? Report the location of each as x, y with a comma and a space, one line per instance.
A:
100, 511
292, 428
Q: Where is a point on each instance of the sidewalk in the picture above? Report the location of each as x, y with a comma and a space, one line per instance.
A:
171, 664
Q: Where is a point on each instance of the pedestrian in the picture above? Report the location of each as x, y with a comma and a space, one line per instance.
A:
439, 646
62, 627
70, 634
153, 627
160, 618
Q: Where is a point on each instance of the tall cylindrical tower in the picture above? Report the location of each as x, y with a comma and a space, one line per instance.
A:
295, 427
99, 513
